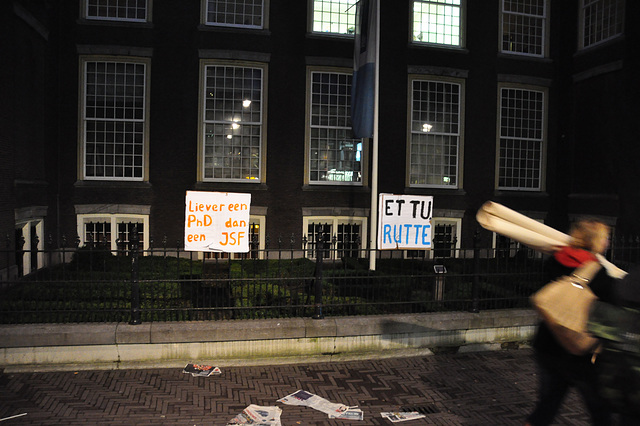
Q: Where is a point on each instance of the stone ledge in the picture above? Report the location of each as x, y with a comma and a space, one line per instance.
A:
42, 335
69, 346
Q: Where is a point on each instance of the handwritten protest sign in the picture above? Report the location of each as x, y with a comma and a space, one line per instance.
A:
217, 221
404, 222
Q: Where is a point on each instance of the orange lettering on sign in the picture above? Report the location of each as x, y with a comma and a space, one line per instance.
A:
195, 237
192, 220
233, 238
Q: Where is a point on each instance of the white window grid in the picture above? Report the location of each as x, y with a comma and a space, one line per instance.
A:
521, 139
110, 230
335, 156
437, 22
114, 120
348, 233
117, 10
232, 123
602, 20
523, 27
235, 13
336, 17
435, 133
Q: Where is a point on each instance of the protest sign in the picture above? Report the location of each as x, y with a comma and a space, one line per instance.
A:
404, 222
217, 221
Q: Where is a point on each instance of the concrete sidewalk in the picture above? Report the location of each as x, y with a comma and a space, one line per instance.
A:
473, 388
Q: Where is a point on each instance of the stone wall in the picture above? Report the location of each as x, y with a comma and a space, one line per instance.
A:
28, 347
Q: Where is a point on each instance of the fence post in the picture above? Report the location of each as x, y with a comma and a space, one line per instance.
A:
318, 282
8, 265
475, 288
135, 283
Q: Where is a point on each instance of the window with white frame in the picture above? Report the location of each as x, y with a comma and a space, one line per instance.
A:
600, 20
438, 22
335, 157
117, 10
29, 246
337, 17
114, 232
436, 130
524, 27
341, 236
235, 13
114, 118
521, 139
232, 122
445, 239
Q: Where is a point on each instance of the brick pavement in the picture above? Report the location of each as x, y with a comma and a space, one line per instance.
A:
478, 388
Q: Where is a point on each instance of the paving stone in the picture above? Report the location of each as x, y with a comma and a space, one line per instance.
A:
478, 388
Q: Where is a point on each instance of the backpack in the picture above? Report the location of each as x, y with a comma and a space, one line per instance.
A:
618, 362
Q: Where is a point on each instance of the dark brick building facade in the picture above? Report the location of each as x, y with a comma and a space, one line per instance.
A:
112, 110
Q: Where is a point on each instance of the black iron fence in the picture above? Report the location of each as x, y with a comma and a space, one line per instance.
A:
316, 279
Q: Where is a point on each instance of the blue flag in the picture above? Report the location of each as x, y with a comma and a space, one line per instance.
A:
364, 69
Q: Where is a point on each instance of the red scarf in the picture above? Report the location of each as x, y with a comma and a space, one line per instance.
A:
573, 257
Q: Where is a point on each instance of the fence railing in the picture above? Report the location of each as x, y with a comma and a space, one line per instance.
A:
94, 284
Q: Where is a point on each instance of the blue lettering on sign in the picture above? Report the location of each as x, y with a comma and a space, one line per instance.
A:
393, 234
425, 235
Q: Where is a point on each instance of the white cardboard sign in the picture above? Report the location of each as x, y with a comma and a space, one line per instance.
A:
217, 221
404, 222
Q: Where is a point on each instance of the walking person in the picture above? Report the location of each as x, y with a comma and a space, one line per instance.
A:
558, 369
618, 361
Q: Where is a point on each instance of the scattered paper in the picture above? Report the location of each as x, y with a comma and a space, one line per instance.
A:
13, 417
352, 413
402, 417
333, 410
258, 415
201, 370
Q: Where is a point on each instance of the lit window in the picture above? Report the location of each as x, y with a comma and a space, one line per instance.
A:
117, 10
334, 16
523, 27
235, 13
341, 236
335, 156
113, 232
232, 122
437, 22
435, 133
114, 119
522, 131
601, 20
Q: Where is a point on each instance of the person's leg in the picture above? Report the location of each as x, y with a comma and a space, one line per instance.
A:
552, 389
598, 408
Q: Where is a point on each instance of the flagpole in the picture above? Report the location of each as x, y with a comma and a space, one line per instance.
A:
373, 237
